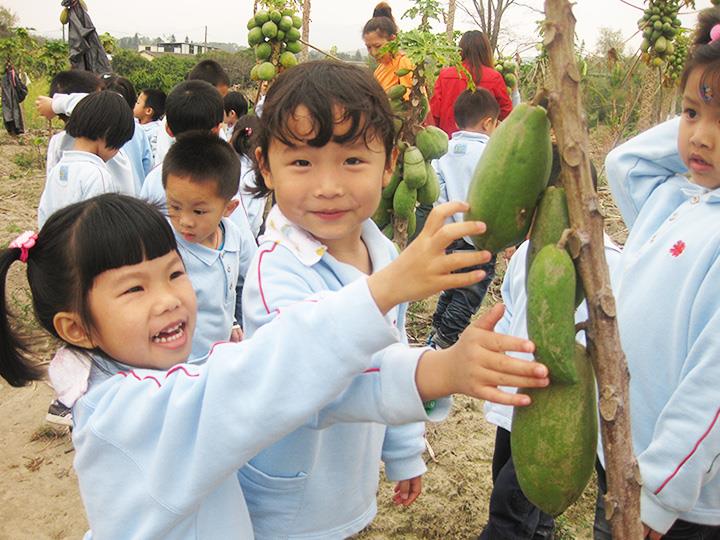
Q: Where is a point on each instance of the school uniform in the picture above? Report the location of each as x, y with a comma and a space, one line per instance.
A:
164, 141
216, 276
151, 132
668, 309
252, 207
76, 177
140, 155
319, 483
152, 189
170, 441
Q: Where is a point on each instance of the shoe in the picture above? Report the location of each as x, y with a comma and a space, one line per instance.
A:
59, 414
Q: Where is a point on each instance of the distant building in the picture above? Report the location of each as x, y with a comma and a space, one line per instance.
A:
176, 48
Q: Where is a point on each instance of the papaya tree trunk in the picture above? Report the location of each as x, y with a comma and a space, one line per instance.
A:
648, 109
450, 20
622, 502
305, 52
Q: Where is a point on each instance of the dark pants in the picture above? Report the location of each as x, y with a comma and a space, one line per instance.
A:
456, 307
681, 530
512, 516
421, 214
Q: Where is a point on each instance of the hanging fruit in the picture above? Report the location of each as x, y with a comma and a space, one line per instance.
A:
659, 25
274, 32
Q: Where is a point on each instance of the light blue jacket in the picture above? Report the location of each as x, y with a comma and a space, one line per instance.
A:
157, 452
216, 274
140, 154
669, 317
319, 484
455, 169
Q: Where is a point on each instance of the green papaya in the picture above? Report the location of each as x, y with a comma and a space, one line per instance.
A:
297, 21
261, 17
252, 23
266, 71
285, 23
397, 91
280, 36
64, 15
432, 142
402, 72
269, 30
389, 232
255, 36
263, 51
288, 60
404, 200
509, 178
551, 312
414, 170
389, 190
382, 215
293, 34
430, 191
412, 224
554, 440
293, 46
275, 15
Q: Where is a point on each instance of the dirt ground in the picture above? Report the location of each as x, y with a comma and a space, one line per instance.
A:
39, 498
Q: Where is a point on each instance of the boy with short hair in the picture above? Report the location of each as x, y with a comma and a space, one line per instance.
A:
200, 176
235, 106
476, 114
149, 110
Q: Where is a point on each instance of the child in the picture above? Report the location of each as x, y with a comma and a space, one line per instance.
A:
244, 141
100, 125
158, 442
325, 150
200, 176
476, 114
235, 106
511, 514
665, 182
148, 111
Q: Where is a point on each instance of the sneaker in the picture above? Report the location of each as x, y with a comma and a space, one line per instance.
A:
59, 414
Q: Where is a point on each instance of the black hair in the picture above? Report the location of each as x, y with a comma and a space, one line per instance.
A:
471, 107
475, 49
203, 157
382, 22
122, 86
75, 81
102, 115
705, 53
209, 71
193, 105
77, 243
235, 101
155, 99
324, 88
245, 135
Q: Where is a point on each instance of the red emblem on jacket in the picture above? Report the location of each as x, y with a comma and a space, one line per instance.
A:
677, 248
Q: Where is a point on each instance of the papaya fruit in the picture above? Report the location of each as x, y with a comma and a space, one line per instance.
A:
389, 190
389, 232
402, 72
430, 190
252, 23
293, 46
293, 34
404, 200
261, 17
263, 51
509, 178
269, 29
412, 224
285, 23
275, 15
266, 71
64, 16
255, 36
297, 21
551, 312
554, 439
397, 91
432, 142
280, 36
382, 216
288, 60
414, 170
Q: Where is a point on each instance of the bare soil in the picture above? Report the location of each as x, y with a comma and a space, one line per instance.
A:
39, 498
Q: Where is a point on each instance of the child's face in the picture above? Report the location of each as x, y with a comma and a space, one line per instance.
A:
374, 41
139, 109
699, 135
230, 118
144, 314
328, 191
196, 209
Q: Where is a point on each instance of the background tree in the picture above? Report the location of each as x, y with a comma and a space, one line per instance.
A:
8, 20
450, 19
488, 16
305, 30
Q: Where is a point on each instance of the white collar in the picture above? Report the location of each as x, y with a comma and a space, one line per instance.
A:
280, 230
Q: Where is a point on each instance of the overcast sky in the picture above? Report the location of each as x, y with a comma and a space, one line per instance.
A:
334, 22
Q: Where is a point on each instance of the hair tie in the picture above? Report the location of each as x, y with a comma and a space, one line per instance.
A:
248, 130
715, 33
24, 242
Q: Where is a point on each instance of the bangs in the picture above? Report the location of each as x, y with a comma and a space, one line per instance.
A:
709, 88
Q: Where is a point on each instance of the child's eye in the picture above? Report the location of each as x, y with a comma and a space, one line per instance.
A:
136, 288
690, 113
353, 161
301, 163
200, 212
176, 274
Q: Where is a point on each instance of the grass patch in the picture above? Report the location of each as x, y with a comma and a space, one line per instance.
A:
38, 87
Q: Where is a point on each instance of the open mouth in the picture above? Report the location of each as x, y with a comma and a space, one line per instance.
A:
170, 333
699, 163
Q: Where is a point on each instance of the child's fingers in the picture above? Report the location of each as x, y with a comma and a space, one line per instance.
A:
501, 378
504, 365
501, 343
440, 213
491, 318
464, 259
447, 234
496, 395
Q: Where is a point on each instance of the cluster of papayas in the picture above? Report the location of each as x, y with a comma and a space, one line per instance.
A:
414, 180
275, 35
508, 69
676, 61
398, 95
65, 13
660, 25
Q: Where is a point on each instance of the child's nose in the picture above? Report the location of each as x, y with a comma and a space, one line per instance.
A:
166, 300
328, 185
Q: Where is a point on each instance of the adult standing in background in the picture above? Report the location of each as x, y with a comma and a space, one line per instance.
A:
477, 58
377, 32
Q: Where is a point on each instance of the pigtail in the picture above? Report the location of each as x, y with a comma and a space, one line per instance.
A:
705, 50
245, 136
16, 365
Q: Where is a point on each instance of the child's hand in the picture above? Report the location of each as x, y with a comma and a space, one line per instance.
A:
477, 364
43, 104
406, 491
423, 268
651, 534
237, 334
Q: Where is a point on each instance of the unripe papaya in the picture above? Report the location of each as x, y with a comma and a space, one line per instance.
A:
389, 232
430, 191
263, 51
402, 72
414, 170
285, 23
412, 224
64, 15
382, 216
252, 23
297, 21
389, 190
432, 142
261, 17
404, 200
269, 29
510, 176
293, 34
293, 46
266, 71
288, 60
551, 312
554, 439
397, 91
255, 36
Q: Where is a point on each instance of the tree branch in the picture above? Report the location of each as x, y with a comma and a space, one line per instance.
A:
622, 502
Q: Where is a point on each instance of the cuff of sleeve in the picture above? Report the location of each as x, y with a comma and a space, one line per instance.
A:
405, 469
655, 515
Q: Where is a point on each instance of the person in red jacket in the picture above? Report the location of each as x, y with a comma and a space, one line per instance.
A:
477, 58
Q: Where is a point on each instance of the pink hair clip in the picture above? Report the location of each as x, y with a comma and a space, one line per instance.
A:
715, 33
248, 131
24, 242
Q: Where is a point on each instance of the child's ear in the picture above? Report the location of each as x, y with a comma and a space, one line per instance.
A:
149, 111
230, 207
71, 330
387, 173
264, 168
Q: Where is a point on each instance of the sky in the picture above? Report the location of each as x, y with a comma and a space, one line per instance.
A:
334, 22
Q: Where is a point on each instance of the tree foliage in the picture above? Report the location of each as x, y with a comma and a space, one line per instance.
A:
33, 55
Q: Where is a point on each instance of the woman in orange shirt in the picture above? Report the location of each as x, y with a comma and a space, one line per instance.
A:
378, 31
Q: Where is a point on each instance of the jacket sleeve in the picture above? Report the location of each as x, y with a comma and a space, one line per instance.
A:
636, 168
443, 197
66, 103
684, 453
187, 429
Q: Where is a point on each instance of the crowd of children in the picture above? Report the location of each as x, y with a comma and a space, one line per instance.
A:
265, 344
